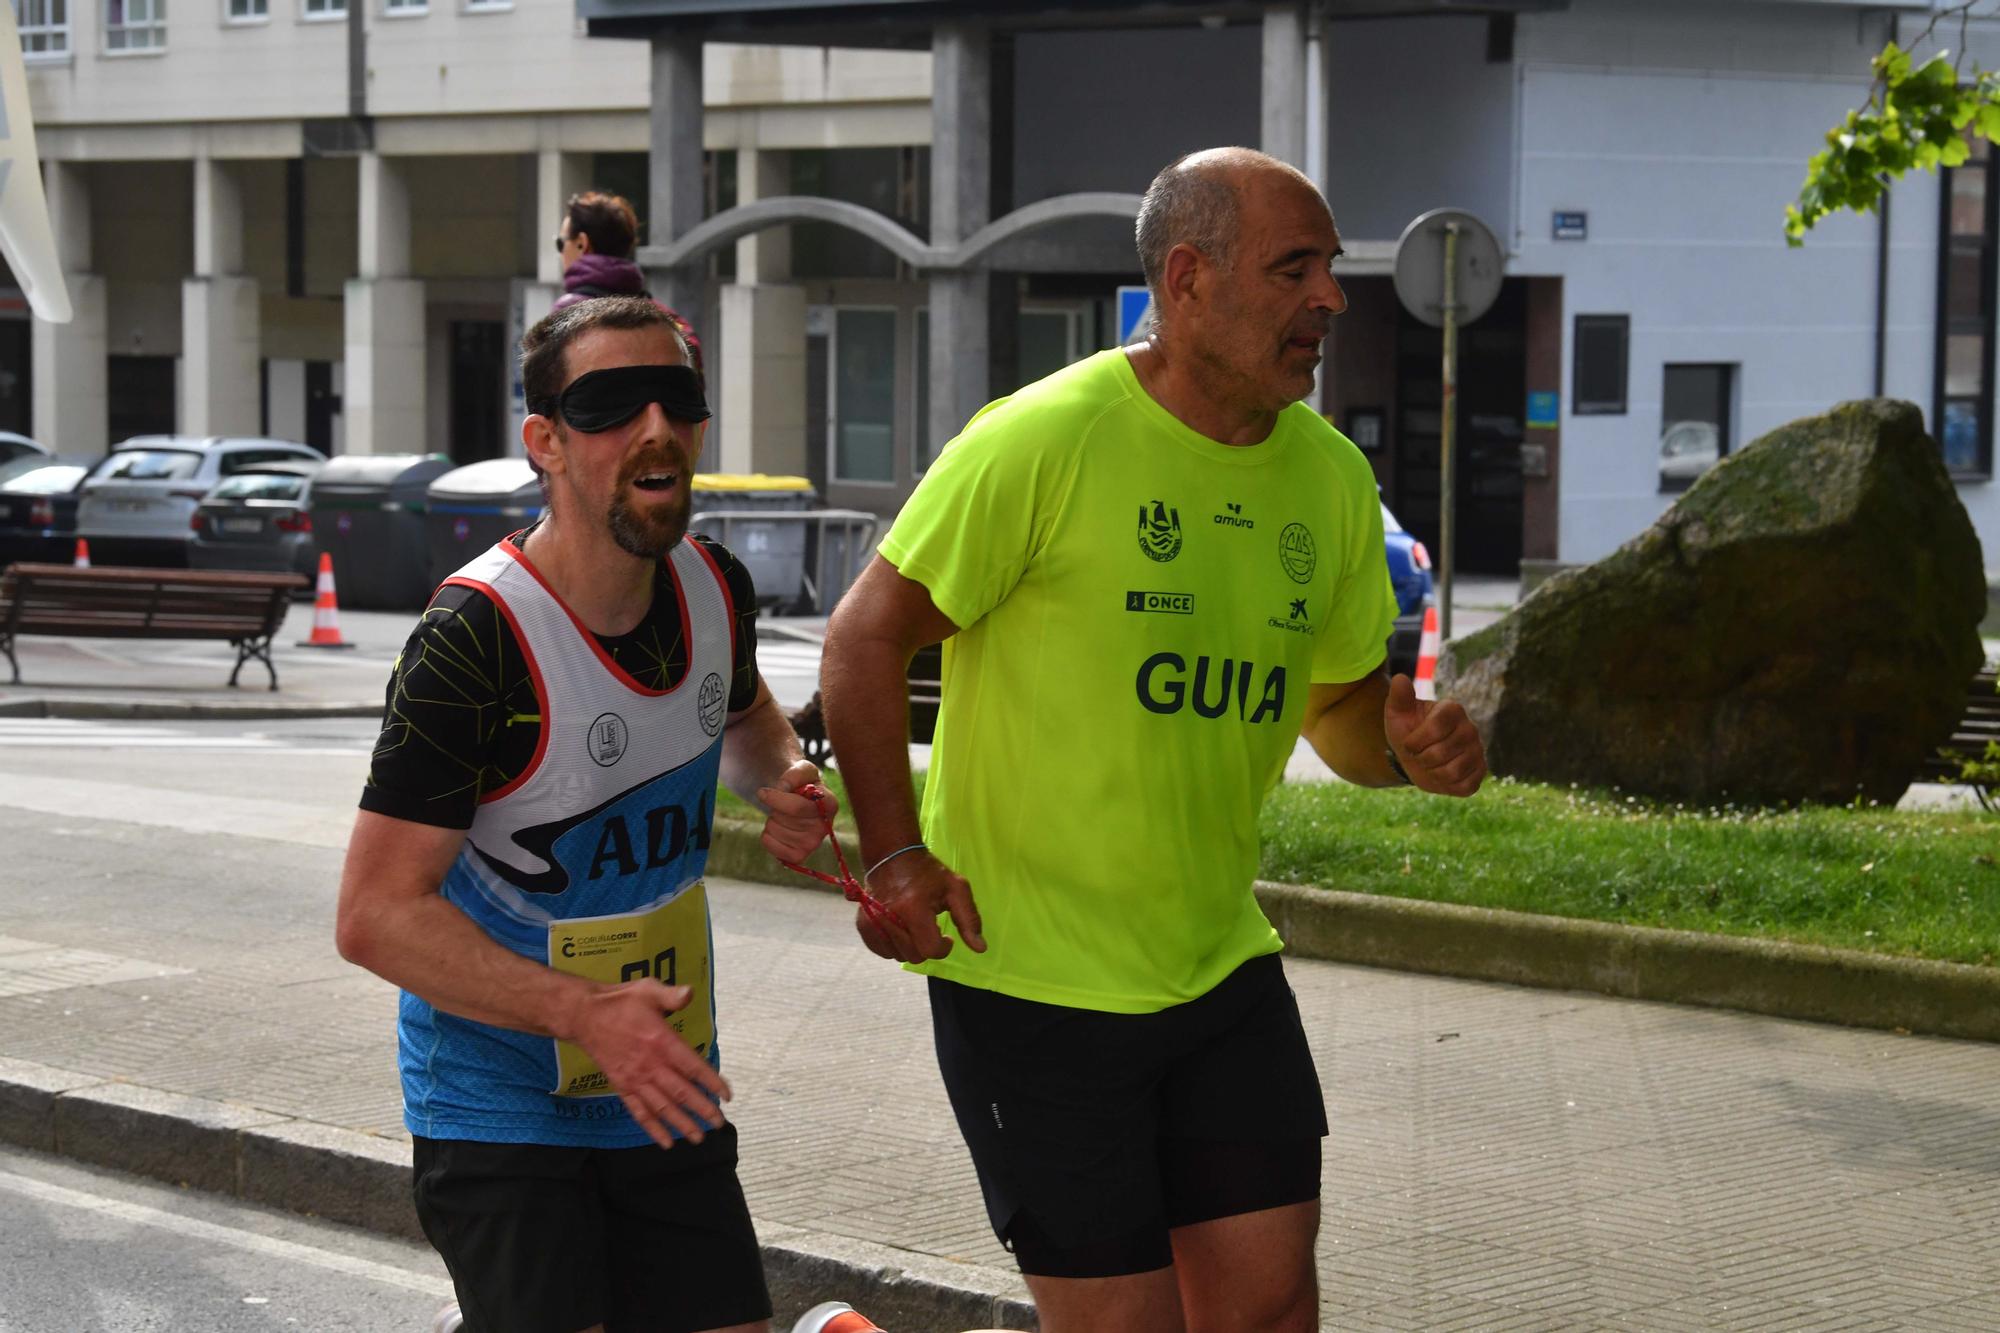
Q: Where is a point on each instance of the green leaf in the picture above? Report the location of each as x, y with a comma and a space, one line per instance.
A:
1989, 121
1955, 152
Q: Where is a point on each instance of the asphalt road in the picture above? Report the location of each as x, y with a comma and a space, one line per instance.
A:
83, 1249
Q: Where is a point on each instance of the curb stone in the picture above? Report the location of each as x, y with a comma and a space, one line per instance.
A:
346, 1176
1844, 986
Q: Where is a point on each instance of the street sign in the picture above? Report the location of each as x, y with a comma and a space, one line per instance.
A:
1570, 226
1420, 266
1135, 313
1542, 410
1447, 274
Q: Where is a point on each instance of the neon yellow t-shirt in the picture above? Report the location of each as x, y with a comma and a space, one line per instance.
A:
1141, 611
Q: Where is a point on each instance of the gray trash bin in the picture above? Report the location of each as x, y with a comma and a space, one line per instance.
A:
726, 507
475, 506
368, 514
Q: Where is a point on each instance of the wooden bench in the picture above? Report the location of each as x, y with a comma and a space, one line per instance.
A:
244, 609
1979, 724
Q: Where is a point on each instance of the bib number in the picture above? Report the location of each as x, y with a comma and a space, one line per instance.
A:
668, 943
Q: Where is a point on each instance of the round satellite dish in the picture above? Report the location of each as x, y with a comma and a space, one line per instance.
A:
1420, 266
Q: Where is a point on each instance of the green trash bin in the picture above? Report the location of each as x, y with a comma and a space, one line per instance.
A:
475, 506
728, 507
368, 514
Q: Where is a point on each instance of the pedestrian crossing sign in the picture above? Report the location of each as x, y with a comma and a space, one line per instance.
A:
1135, 313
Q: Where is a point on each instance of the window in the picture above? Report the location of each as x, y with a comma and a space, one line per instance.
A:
1598, 380
135, 25
864, 395
1963, 390
249, 11
326, 9
487, 6
401, 7
44, 26
1694, 422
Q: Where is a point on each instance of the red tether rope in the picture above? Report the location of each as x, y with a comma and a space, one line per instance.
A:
879, 912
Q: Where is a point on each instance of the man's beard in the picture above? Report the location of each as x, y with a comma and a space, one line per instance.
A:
651, 533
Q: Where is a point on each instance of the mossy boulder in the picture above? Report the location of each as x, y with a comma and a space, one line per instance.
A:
1800, 626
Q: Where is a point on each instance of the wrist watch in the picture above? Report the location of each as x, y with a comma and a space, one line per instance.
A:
1396, 765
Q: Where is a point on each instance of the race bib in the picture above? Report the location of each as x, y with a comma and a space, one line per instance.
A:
669, 943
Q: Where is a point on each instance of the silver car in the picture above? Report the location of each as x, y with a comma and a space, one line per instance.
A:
258, 519
138, 503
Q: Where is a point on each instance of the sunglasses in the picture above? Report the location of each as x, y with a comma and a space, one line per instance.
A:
605, 399
562, 242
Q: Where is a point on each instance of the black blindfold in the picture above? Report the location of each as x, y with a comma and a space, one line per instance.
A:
604, 399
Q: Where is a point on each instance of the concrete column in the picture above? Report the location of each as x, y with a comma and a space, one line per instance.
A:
961, 203
383, 403
557, 176
761, 418
1284, 84
675, 203
766, 256
72, 399
385, 219
382, 406
220, 334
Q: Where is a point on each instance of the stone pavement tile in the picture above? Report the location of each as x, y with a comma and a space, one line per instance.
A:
1956, 1318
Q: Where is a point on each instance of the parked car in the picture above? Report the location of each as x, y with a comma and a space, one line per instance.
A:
38, 509
1410, 576
14, 446
257, 519
139, 500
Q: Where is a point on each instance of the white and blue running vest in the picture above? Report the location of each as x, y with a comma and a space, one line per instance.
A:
590, 861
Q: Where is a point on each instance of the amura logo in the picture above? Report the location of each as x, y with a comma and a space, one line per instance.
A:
1160, 531
1234, 517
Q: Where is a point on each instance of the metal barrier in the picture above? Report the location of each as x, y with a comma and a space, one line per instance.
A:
841, 541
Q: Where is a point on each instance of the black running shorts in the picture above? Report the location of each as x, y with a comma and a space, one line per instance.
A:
1095, 1134
551, 1240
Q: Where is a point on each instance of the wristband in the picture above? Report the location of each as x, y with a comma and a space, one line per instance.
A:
913, 847
1396, 765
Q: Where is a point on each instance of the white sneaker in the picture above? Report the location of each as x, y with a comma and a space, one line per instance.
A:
448, 1320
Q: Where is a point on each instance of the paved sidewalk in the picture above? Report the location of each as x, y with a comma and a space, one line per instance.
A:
1500, 1158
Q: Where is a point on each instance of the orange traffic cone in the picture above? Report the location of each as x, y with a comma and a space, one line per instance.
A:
326, 610
1427, 656
82, 560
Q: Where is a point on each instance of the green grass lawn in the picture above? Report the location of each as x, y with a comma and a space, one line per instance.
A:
1921, 884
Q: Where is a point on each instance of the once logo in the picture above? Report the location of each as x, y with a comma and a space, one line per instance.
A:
710, 700
607, 739
1219, 688
1160, 531
1162, 603
1297, 553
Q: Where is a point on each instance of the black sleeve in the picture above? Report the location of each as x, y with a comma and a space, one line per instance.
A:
455, 698
742, 596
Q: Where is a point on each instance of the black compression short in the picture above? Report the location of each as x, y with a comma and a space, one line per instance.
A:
541, 1239
1096, 1134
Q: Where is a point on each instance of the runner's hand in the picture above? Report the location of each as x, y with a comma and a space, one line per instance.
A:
795, 825
658, 1076
1439, 746
917, 887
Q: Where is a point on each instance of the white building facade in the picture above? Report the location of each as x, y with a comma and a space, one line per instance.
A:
880, 216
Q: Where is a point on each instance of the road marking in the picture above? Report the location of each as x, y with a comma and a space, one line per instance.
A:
80, 734
269, 1247
188, 811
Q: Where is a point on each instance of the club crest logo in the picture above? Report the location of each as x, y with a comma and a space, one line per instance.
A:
710, 701
1159, 531
1297, 553
608, 735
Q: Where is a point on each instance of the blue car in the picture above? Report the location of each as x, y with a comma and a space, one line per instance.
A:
1410, 576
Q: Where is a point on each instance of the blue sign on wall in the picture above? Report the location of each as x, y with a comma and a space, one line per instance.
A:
1135, 308
1541, 411
1572, 226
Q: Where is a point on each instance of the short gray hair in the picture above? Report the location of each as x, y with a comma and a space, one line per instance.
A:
1188, 203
